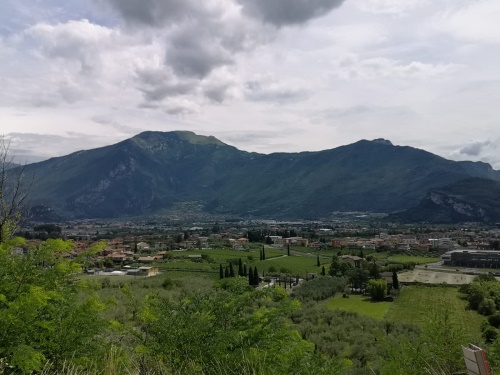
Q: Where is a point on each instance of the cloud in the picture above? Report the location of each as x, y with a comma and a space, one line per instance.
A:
288, 12
80, 41
477, 22
352, 67
157, 13
267, 89
474, 149
390, 6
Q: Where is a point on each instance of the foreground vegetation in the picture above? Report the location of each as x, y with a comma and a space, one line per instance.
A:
56, 320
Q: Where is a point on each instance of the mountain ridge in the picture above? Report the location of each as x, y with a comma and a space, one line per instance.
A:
153, 171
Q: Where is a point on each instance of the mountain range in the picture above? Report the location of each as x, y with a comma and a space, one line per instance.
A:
158, 172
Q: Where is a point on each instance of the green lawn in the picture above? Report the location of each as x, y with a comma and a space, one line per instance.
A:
359, 304
420, 304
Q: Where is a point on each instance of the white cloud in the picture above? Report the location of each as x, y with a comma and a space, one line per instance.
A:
351, 67
475, 22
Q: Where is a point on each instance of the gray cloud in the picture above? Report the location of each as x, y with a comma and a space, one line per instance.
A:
104, 120
196, 52
157, 84
156, 13
288, 12
474, 149
270, 91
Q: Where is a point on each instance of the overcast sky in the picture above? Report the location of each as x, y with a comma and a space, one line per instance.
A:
262, 75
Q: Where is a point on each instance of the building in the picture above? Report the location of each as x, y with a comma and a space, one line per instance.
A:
472, 258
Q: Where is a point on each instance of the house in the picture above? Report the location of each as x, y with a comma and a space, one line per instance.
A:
146, 259
354, 260
142, 246
148, 271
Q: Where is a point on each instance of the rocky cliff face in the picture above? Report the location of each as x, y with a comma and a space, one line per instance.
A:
469, 200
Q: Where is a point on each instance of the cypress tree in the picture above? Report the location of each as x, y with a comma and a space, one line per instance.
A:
317, 261
288, 250
221, 271
323, 272
226, 272
260, 257
255, 276
250, 277
245, 270
240, 267
231, 269
395, 280
263, 254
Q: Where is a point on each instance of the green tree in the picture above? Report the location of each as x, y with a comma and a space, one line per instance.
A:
221, 271
395, 280
240, 267
46, 313
317, 261
377, 289
231, 269
323, 271
263, 253
255, 276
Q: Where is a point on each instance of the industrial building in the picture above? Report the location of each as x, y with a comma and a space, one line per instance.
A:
472, 258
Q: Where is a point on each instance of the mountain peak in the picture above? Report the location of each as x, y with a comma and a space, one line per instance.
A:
177, 135
383, 141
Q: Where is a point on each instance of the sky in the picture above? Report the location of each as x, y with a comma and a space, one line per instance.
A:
261, 75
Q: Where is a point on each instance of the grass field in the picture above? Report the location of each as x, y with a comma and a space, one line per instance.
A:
296, 264
412, 259
359, 304
420, 304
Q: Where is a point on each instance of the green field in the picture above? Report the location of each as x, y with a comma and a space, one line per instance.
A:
420, 304
412, 259
359, 304
296, 264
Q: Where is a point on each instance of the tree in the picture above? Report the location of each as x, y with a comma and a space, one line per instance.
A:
317, 261
13, 192
377, 289
245, 273
260, 254
323, 272
263, 253
255, 276
395, 280
288, 250
46, 313
250, 277
221, 271
240, 267
231, 269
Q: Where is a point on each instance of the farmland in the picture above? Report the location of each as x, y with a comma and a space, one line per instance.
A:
421, 304
359, 304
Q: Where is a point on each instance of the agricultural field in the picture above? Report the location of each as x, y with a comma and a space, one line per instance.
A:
420, 275
403, 258
296, 265
359, 304
421, 304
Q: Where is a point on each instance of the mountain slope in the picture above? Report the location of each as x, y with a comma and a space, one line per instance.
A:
469, 200
153, 171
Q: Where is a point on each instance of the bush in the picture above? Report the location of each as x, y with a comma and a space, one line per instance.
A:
377, 289
167, 283
494, 320
487, 307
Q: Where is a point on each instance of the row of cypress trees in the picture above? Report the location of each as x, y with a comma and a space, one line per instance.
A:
228, 271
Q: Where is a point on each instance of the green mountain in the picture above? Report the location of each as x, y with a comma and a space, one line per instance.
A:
153, 172
469, 200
